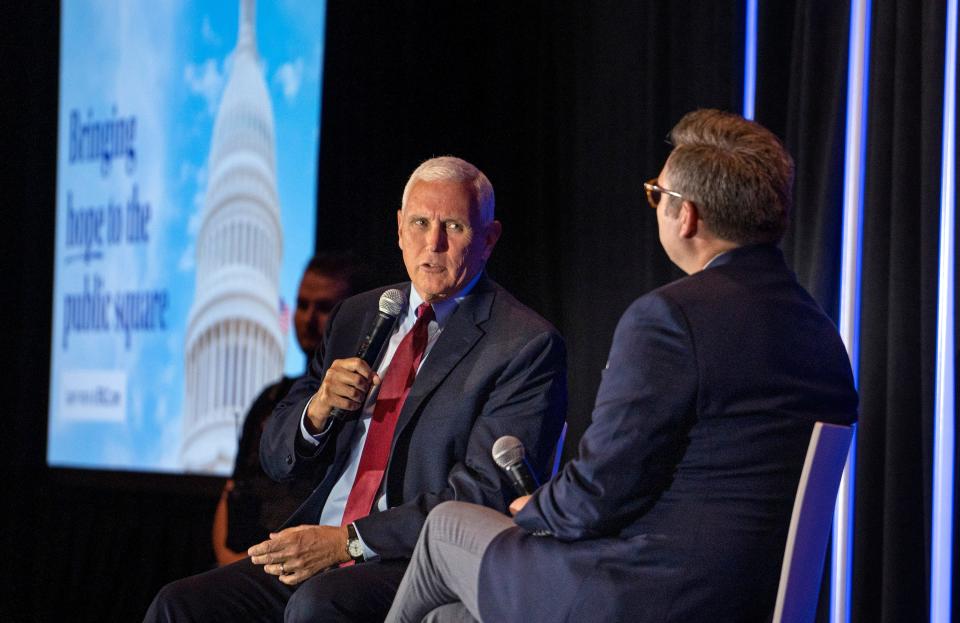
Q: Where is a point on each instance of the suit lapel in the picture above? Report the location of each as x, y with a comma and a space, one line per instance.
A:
459, 335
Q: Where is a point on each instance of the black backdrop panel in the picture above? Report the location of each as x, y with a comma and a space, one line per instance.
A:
804, 102
898, 329
29, 49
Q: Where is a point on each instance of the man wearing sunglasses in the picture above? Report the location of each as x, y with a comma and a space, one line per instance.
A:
677, 505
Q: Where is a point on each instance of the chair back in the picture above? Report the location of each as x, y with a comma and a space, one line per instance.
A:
558, 453
810, 524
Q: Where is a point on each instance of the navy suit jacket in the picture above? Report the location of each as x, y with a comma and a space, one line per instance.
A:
678, 503
496, 369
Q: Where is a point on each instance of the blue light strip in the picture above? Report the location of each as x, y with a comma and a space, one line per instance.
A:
941, 545
750, 61
853, 183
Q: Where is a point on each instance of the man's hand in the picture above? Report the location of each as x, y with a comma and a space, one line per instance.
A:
345, 386
297, 553
517, 504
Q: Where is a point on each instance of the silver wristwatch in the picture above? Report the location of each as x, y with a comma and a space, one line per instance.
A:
354, 546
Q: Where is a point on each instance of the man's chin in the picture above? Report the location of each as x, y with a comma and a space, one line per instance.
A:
435, 297
431, 292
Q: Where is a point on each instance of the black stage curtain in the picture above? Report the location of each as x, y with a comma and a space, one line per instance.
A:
30, 48
898, 322
801, 95
567, 109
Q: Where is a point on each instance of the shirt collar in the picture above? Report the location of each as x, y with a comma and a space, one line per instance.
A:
712, 259
442, 310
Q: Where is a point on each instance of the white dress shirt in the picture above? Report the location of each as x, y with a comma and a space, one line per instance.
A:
333, 508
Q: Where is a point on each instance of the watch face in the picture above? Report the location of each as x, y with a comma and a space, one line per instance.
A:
354, 548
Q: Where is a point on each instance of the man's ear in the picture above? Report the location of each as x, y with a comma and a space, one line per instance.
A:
689, 219
491, 235
400, 228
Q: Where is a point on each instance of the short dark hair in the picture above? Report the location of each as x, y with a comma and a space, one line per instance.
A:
341, 266
736, 171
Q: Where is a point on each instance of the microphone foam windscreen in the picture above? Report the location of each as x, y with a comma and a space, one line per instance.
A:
507, 451
391, 302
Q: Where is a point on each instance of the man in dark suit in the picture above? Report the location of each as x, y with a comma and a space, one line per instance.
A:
474, 364
678, 503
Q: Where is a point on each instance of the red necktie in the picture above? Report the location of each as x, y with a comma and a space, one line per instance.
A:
393, 391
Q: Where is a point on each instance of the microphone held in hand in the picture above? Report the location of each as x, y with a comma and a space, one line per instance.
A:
389, 307
509, 455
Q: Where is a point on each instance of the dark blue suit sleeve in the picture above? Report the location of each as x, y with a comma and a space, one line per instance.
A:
628, 454
284, 454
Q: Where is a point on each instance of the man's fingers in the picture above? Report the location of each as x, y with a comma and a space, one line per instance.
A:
269, 558
353, 366
263, 548
342, 376
518, 504
356, 364
345, 386
346, 399
346, 391
292, 579
346, 383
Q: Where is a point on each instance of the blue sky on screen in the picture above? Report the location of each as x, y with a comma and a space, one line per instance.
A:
166, 63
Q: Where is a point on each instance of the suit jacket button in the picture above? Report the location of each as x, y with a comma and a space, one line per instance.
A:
289, 460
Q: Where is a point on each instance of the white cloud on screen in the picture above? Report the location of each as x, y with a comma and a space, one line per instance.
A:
188, 172
188, 261
206, 30
206, 80
290, 78
188, 258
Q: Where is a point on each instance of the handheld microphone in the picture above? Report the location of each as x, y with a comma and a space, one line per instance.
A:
388, 308
509, 455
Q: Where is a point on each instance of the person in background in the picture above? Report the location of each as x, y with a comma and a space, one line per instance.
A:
252, 504
677, 505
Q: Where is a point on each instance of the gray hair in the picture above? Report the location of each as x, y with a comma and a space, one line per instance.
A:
736, 171
452, 169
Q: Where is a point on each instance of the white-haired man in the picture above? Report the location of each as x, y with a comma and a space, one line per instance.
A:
466, 363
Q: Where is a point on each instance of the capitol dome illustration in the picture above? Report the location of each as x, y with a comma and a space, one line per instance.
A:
234, 342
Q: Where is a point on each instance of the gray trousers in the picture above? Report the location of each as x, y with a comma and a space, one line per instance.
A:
441, 582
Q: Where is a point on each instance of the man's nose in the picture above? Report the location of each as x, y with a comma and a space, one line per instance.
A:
318, 321
316, 314
437, 238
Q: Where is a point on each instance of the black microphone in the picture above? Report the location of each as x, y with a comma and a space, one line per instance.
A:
389, 307
509, 455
